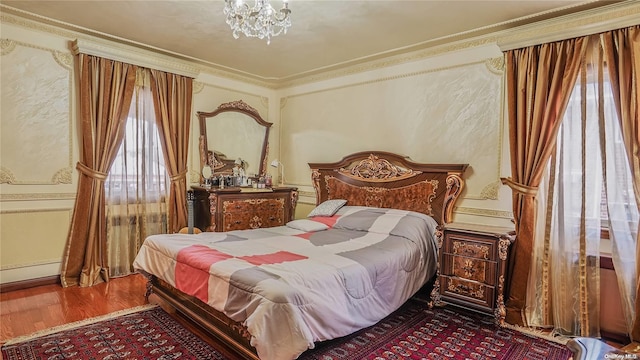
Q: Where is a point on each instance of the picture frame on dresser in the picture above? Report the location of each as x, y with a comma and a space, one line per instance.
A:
472, 268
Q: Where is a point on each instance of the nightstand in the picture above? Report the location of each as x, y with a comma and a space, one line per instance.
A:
472, 266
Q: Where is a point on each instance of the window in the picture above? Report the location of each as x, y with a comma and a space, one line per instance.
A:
138, 169
598, 139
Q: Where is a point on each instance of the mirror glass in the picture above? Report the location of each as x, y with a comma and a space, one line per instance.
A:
234, 131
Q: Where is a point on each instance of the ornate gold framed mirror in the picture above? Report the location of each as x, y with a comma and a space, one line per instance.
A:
234, 135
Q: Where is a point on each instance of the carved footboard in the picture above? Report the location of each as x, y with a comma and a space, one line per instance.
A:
230, 332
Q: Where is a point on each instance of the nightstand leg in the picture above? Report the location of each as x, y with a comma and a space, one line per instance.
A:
501, 311
436, 300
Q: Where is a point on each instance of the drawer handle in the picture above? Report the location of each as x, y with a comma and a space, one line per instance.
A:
469, 268
469, 251
237, 222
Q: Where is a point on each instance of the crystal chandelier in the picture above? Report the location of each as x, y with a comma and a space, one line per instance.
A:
260, 20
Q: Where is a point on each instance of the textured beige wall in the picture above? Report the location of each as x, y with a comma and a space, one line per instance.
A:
303, 209
444, 109
33, 236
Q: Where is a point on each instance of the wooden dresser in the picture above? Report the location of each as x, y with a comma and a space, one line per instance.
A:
472, 264
243, 208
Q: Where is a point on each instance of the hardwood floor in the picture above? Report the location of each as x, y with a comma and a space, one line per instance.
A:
23, 312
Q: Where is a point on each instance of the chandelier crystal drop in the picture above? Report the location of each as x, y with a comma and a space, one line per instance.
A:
260, 20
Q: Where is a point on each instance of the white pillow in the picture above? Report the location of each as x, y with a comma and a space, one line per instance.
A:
328, 208
307, 225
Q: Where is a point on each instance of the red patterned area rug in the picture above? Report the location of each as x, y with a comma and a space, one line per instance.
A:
412, 332
416, 332
147, 334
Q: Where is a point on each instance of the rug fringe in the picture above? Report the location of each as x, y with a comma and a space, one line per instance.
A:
78, 323
557, 338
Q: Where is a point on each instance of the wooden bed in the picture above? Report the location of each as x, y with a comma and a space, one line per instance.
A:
376, 179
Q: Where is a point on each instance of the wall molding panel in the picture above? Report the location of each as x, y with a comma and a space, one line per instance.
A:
37, 103
484, 212
484, 181
43, 231
36, 196
36, 211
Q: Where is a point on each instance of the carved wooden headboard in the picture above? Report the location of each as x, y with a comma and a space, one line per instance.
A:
382, 179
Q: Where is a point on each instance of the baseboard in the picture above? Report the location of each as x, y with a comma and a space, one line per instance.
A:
30, 283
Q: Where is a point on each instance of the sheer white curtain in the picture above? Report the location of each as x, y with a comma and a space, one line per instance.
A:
588, 189
136, 188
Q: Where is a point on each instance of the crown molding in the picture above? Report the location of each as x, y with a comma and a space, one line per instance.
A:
615, 16
134, 55
89, 42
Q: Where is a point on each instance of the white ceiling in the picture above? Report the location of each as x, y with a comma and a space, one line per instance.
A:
325, 34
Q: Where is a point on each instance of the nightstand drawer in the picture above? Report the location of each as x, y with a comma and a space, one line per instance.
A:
477, 247
469, 268
469, 293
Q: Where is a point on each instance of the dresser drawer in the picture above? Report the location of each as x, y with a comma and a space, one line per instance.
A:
252, 213
252, 205
469, 268
239, 220
269, 205
468, 293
